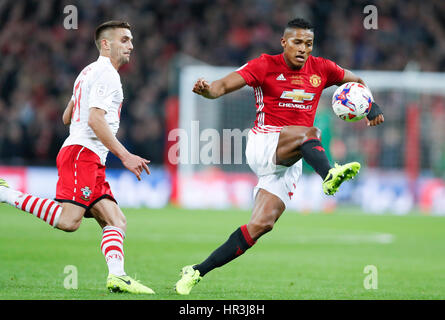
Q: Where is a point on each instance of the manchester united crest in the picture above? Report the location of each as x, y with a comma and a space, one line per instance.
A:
315, 80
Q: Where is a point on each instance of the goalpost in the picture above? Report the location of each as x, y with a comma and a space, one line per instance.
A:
212, 169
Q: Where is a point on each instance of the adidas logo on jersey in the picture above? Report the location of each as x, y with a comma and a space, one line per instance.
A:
281, 77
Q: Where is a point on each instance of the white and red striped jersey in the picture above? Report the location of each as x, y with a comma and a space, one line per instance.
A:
285, 96
98, 85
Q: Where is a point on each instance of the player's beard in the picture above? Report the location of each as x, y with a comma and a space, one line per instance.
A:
121, 57
124, 59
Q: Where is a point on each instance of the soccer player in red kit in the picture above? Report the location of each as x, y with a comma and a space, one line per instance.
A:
287, 89
93, 114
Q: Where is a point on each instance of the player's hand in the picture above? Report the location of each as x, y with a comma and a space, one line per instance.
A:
136, 164
201, 87
375, 116
376, 121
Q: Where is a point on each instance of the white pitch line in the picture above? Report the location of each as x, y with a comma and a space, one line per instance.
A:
381, 238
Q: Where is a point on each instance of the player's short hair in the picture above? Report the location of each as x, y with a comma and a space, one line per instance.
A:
113, 24
300, 23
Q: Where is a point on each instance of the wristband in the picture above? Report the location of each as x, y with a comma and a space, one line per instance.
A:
374, 112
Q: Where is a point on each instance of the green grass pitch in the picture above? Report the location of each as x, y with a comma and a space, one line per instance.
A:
315, 256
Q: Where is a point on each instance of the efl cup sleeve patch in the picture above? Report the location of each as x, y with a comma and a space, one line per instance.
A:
101, 90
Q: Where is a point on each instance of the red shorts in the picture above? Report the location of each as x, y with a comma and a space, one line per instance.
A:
81, 177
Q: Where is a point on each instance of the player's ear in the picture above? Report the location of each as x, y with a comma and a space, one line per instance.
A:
283, 42
105, 44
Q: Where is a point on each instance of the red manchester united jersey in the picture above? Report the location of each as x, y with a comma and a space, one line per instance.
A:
285, 96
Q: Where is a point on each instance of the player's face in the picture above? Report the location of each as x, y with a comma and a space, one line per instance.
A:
297, 46
121, 46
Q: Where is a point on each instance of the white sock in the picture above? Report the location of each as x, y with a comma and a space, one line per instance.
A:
113, 249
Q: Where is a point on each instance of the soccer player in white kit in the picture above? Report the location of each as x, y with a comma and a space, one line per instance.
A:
93, 114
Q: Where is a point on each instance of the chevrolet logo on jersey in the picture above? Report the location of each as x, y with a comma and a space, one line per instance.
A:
297, 95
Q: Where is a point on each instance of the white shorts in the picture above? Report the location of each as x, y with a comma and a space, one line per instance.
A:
276, 179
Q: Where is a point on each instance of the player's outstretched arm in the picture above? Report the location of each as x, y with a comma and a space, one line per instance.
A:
233, 81
66, 118
375, 116
98, 124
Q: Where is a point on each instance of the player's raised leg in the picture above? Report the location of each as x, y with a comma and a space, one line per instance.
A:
112, 220
266, 211
298, 142
65, 216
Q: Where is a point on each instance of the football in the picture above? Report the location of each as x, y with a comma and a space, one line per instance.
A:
352, 101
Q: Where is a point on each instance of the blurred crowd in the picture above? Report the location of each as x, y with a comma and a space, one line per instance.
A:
40, 59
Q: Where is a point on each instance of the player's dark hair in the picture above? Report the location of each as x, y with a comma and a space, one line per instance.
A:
113, 24
300, 23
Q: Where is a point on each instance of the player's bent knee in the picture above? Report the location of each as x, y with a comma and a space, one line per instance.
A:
70, 217
313, 132
70, 225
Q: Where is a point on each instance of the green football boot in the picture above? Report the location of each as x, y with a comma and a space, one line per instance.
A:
339, 174
3, 183
3, 191
189, 278
126, 284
